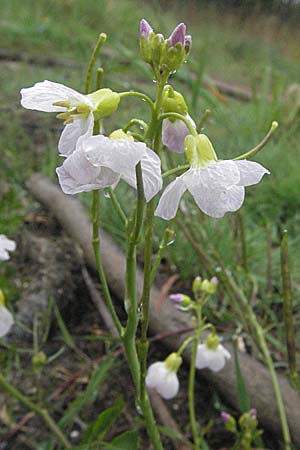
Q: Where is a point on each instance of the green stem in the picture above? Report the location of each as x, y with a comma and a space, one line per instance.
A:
133, 122
204, 118
117, 207
265, 351
176, 170
138, 95
184, 345
168, 235
170, 115
261, 145
191, 387
88, 82
36, 409
99, 264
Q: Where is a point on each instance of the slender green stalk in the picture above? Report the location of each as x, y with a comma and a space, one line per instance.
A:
100, 73
176, 170
204, 118
133, 122
168, 234
191, 387
138, 95
266, 353
260, 146
184, 345
36, 409
102, 277
184, 119
117, 207
288, 311
88, 81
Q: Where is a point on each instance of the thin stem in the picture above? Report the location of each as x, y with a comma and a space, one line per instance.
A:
184, 345
36, 409
176, 170
88, 82
100, 73
261, 145
265, 351
204, 118
99, 264
191, 387
133, 122
168, 234
117, 206
184, 119
138, 95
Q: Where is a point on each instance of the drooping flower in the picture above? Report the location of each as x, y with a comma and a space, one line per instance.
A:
174, 133
162, 376
6, 245
77, 110
6, 318
217, 186
99, 162
211, 354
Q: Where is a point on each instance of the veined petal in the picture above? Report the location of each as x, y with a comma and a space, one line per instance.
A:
6, 321
211, 190
77, 174
151, 169
73, 133
250, 172
42, 95
164, 381
122, 156
169, 201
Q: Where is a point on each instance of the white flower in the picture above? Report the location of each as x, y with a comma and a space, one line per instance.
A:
174, 133
213, 359
75, 108
99, 162
162, 379
6, 245
6, 320
217, 188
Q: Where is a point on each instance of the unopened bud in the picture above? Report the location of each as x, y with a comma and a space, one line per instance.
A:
197, 286
173, 101
39, 359
178, 35
229, 421
105, 102
146, 33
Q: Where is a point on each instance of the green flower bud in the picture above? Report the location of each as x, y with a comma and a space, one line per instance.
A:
197, 287
105, 102
199, 150
39, 359
229, 421
157, 48
173, 101
173, 362
209, 287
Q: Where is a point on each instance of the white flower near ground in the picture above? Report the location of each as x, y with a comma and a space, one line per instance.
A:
99, 162
174, 133
162, 379
76, 109
213, 359
6, 320
217, 188
6, 245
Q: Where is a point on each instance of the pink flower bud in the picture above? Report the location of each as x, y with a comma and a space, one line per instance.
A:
178, 35
176, 298
145, 29
225, 416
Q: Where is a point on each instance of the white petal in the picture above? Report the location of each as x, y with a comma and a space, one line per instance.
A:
6, 321
42, 95
77, 174
201, 360
154, 373
122, 156
212, 192
250, 172
5, 246
151, 169
169, 201
174, 133
73, 133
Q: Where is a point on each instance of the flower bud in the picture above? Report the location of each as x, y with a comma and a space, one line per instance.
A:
178, 35
187, 44
157, 48
197, 286
146, 33
39, 359
183, 302
210, 287
175, 52
105, 102
229, 421
173, 101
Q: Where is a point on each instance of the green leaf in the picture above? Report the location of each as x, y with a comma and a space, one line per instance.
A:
125, 441
98, 429
90, 394
45, 445
243, 397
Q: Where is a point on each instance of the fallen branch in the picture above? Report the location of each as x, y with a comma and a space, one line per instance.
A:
73, 217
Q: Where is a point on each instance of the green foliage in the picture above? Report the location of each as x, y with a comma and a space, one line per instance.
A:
243, 396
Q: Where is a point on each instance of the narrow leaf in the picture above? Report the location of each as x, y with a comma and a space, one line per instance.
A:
125, 441
243, 397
